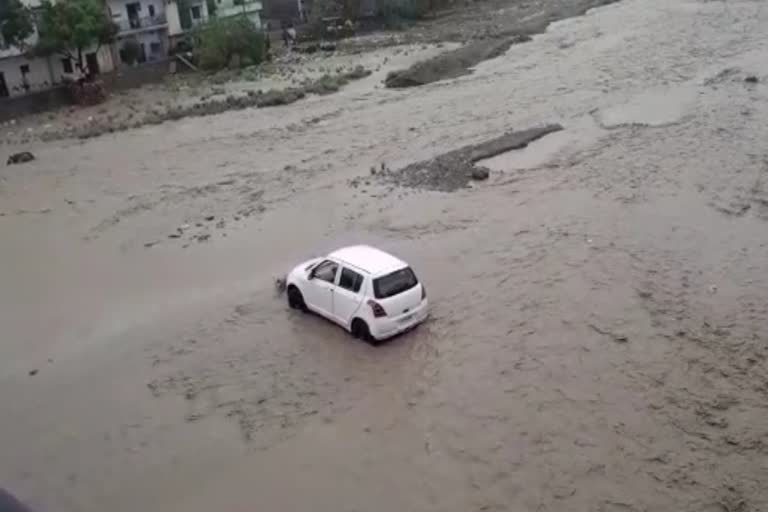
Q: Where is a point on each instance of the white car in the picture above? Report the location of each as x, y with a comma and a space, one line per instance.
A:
372, 294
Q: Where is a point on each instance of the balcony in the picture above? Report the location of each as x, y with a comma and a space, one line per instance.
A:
137, 24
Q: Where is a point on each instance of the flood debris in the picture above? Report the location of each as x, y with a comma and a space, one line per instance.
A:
280, 284
751, 79
326, 84
20, 158
454, 170
618, 338
451, 64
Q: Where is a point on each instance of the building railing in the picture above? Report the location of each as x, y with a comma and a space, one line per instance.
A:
140, 23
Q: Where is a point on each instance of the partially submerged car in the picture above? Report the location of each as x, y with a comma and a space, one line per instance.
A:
369, 292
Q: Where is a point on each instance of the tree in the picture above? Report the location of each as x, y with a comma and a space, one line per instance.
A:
218, 41
16, 23
69, 27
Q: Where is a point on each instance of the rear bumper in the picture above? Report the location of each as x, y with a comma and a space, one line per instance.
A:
384, 328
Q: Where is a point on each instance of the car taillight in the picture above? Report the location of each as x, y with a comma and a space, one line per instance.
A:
378, 311
423, 292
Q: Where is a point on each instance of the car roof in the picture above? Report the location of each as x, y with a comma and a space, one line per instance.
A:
368, 259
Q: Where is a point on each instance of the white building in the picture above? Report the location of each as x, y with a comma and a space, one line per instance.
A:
249, 8
185, 15
21, 74
152, 25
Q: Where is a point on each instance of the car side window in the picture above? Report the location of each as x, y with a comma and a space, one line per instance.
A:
350, 280
326, 271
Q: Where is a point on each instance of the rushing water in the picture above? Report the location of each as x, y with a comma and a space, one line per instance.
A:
600, 304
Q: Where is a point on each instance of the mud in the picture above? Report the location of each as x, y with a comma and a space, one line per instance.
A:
515, 23
451, 64
456, 169
326, 84
599, 305
287, 79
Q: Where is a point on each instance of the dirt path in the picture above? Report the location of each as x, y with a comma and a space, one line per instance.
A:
600, 302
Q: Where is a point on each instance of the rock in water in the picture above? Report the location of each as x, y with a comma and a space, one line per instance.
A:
20, 158
480, 173
751, 79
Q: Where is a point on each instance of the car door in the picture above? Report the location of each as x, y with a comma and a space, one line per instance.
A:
347, 297
320, 288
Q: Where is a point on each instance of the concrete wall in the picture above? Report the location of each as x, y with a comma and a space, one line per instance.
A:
33, 103
172, 15
39, 78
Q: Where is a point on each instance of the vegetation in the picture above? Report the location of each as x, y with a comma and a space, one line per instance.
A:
16, 22
70, 27
223, 42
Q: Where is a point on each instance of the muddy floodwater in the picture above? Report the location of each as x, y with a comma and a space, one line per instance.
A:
599, 326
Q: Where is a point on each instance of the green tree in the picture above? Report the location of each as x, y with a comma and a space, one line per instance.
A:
69, 27
221, 39
16, 23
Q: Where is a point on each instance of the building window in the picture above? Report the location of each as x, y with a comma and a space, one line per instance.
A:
196, 12
151, 11
154, 48
66, 65
24, 69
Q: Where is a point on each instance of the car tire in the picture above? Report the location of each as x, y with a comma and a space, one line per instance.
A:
296, 299
361, 331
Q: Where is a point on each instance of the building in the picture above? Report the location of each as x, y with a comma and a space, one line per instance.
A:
184, 15
249, 8
22, 74
151, 25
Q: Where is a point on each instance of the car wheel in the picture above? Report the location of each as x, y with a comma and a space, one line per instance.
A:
296, 299
361, 331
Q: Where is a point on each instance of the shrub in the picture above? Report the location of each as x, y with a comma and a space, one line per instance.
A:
218, 42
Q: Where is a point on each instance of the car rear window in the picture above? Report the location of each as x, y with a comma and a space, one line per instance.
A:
394, 283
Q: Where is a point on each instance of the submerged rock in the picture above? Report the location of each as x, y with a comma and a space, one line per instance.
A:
20, 158
480, 173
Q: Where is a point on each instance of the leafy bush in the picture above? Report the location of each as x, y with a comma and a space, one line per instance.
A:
221, 40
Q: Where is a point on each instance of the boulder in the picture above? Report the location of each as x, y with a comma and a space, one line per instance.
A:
480, 173
20, 158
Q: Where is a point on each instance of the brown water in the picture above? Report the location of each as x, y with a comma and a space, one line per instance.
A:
598, 339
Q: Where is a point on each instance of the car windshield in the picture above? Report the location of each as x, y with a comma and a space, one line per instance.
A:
394, 283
